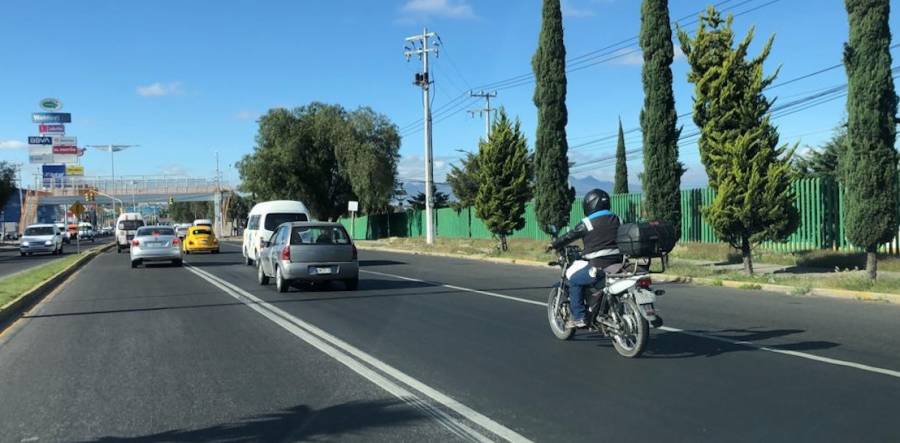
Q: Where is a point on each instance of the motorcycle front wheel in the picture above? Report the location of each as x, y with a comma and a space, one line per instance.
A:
558, 313
632, 339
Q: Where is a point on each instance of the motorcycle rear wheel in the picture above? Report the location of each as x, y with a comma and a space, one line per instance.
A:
632, 341
558, 314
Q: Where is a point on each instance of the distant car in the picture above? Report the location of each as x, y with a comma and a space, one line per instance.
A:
181, 230
86, 231
41, 238
200, 239
203, 222
126, 228
63, 232
308, 252
155, 243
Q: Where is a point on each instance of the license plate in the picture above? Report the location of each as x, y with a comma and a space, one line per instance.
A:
153, 244
320, 271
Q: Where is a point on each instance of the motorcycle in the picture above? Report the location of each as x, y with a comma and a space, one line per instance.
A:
621, 305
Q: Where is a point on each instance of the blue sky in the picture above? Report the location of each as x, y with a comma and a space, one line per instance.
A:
187, 79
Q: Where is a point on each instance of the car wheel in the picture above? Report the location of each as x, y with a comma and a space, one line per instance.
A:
216, 251
134, 264
352, 284
247, 260
22, 254
280, 283
60, 252
186, 251
177, 263
118, 249
261, 276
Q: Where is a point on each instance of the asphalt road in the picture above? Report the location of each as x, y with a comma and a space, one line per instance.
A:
11, 262
203, 353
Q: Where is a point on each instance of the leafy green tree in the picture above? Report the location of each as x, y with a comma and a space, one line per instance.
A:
826, 160
552, 194
239, 207
871, 168
738, 145
371, 158
464, 180
438, 200
324, 156
503, 187
620, 186
186, 212
7, 181
662, 170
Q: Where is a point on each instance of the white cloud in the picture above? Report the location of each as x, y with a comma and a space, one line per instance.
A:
438, 8
160, 89
412, 167
571, 10
12, 144
246, 115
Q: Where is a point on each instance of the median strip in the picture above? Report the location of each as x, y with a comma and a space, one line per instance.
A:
21, 291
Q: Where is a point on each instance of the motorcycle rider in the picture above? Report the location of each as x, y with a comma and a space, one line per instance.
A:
598, 232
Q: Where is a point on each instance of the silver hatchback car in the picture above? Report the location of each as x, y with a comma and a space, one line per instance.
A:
301, 252
155, 243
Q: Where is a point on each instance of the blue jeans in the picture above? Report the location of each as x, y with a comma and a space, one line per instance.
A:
577, 282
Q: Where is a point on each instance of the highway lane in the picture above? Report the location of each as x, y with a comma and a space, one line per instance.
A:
197, 354
497, 355
11, 262
157, 354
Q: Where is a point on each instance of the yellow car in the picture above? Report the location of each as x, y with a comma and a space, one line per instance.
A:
200, 239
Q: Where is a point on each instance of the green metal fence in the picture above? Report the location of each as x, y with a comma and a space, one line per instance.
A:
819, 202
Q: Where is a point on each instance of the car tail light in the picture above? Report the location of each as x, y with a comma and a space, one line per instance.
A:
191, 243
286, 252
644, 283
176, 242
135, 242
355, 253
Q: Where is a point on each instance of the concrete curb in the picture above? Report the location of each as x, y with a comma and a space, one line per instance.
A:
669, 278
14, 309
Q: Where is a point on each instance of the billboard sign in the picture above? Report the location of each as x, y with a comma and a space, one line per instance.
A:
40, 140
39, 159
50, 104
52, 129
51, 117
74, 170
65, 141
65, 158
64, 149
53, 171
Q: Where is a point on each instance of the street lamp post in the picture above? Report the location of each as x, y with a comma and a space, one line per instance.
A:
112, 150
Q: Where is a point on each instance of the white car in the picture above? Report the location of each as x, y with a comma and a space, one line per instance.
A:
262, 221
126, 228
41, 238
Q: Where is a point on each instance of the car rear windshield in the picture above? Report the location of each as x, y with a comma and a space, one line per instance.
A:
39, 230
319, 235
276, 218
143, 232
130, 225
200, 232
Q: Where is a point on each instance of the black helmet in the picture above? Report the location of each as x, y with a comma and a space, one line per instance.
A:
595, 200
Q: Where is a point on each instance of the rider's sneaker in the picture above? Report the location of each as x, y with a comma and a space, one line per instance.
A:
576, 324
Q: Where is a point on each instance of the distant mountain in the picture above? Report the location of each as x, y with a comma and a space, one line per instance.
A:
584, 184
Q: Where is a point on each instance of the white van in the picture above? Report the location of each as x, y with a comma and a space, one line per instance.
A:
126, 226
263, 219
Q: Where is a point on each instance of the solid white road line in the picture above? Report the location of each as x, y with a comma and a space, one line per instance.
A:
832, 361
354, 358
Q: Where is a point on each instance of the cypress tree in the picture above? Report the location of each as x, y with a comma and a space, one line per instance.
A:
871, 170
552, 194
503, 185
738, 145
621, 184
662, 170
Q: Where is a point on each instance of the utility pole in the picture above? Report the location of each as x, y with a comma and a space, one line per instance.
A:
487, 96
418, 46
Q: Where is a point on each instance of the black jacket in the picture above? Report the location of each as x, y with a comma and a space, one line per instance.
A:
598, 232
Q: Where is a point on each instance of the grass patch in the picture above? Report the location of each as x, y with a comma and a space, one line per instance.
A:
13, 286
750, 286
